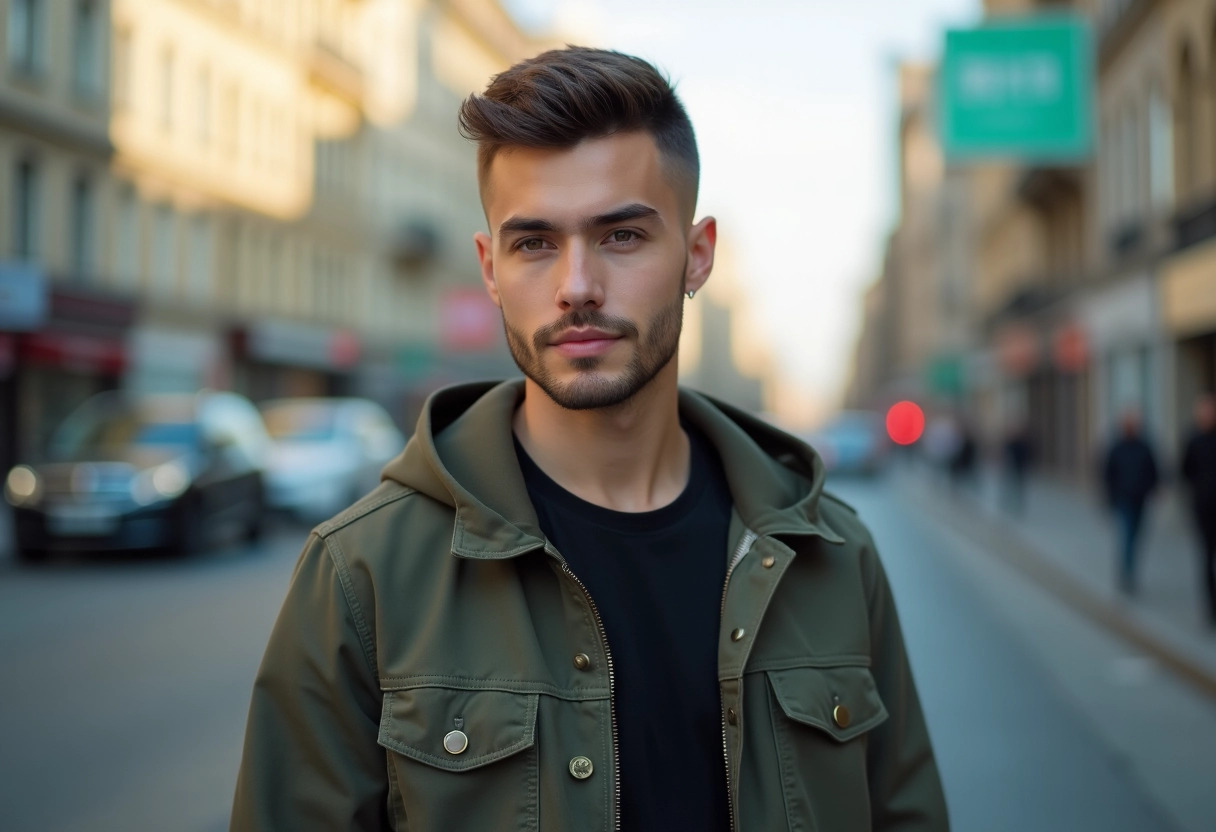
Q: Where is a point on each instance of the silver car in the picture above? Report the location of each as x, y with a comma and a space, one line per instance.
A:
325, 453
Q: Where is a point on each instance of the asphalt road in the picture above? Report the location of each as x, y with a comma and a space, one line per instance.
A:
125, 685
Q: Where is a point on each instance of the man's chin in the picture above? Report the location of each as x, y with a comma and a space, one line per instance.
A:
588, 390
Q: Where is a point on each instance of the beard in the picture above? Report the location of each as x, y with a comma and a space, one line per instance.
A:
593, 389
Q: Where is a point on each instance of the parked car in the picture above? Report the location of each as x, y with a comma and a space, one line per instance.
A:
854, 442
174, 471
325, 453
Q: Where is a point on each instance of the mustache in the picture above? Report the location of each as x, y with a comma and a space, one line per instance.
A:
581, 319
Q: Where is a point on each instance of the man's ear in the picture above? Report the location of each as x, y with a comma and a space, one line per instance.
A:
485, 254
702, 240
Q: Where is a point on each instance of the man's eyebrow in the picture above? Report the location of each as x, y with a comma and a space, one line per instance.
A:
525, 224
633, 211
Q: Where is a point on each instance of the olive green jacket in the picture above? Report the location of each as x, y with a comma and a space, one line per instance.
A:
436, 666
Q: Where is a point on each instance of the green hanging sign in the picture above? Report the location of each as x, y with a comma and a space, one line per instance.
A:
1018, 88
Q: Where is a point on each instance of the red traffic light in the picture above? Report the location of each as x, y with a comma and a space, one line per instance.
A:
905, 423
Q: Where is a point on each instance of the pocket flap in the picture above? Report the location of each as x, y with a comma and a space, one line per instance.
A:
496, 724
811, 695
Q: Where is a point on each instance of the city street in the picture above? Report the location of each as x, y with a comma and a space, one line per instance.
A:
126, 684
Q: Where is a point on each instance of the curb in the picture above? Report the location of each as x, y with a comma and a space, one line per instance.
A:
997, 541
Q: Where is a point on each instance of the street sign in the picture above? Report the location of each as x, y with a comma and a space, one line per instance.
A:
1018, 88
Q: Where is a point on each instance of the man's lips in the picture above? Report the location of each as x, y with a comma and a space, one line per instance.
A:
571, 336
584, 342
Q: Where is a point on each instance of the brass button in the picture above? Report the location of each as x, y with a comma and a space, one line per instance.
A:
769, 562
841, 714
737, 634
731, 716
455, 742
581, 768
582, 661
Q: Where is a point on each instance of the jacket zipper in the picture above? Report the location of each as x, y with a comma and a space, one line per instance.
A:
616, 751
745, 545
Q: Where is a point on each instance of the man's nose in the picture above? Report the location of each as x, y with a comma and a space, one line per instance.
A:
579, 283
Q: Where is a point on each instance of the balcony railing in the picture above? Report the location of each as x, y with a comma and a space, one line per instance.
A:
329, 68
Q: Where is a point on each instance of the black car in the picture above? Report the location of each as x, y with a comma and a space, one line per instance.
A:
174, 471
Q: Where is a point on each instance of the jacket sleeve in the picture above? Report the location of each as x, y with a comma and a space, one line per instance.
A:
905, 787
311, 761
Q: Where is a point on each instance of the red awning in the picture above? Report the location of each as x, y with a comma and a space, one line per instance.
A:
74, 351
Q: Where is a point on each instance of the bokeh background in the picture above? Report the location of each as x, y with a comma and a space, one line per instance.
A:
960, 242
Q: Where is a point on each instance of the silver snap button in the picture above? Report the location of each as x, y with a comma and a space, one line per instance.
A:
581, 768
455, 742
737, 634
582, 661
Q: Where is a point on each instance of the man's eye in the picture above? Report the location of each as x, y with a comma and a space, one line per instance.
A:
623, 236
532, 244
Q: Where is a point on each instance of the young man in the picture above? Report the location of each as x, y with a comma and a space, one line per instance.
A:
589, 600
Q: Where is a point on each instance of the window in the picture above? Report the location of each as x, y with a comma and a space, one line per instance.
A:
204, 106
128, 258
228, 124
86, 42
122, 69
164, 266
1185, 121
1129, 165
202, 256
81, 243
1160, 149
25, 48
166, 89
25, 211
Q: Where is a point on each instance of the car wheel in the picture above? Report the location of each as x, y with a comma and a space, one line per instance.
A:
189, 535
256, 530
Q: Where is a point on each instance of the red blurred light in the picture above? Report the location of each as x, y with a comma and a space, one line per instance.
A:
905, 423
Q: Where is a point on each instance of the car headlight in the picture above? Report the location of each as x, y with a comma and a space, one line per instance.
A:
164, 482
23, 488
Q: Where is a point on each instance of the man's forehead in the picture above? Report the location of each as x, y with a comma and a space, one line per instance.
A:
591, 177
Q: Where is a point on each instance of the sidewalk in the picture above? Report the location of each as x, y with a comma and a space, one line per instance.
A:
1066, 540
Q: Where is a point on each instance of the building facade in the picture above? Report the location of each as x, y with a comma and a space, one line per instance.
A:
262, 195
1090, 289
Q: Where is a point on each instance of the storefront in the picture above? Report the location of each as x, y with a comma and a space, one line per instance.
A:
1188, 300
79, 350
272, 359
168, 356
1132, 354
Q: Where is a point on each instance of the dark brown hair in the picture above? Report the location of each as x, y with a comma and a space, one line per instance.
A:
561, 97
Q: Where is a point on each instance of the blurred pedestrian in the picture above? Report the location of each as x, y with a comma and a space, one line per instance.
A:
965, 458
1129, 475
1017, 456
532, 621
1199, 472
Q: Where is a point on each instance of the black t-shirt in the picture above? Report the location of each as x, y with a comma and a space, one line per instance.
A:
657, 579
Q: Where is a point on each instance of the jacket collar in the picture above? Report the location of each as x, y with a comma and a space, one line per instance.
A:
462, 455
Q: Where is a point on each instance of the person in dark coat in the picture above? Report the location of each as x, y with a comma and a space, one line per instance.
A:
1129, 474
1017, 466
1199, 471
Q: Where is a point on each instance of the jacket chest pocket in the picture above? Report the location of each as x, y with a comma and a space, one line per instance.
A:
461, 759
821, 721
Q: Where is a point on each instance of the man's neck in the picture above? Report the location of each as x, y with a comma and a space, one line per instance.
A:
633, 457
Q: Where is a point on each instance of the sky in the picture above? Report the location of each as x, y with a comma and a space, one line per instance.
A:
793, 103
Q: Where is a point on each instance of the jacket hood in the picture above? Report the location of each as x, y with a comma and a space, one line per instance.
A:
462, 455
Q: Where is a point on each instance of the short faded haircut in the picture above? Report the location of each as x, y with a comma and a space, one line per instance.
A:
564, 96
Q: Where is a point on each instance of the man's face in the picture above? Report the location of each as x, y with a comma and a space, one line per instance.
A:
588, 258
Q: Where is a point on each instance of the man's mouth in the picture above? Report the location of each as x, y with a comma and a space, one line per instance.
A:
584, 343
576, 336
